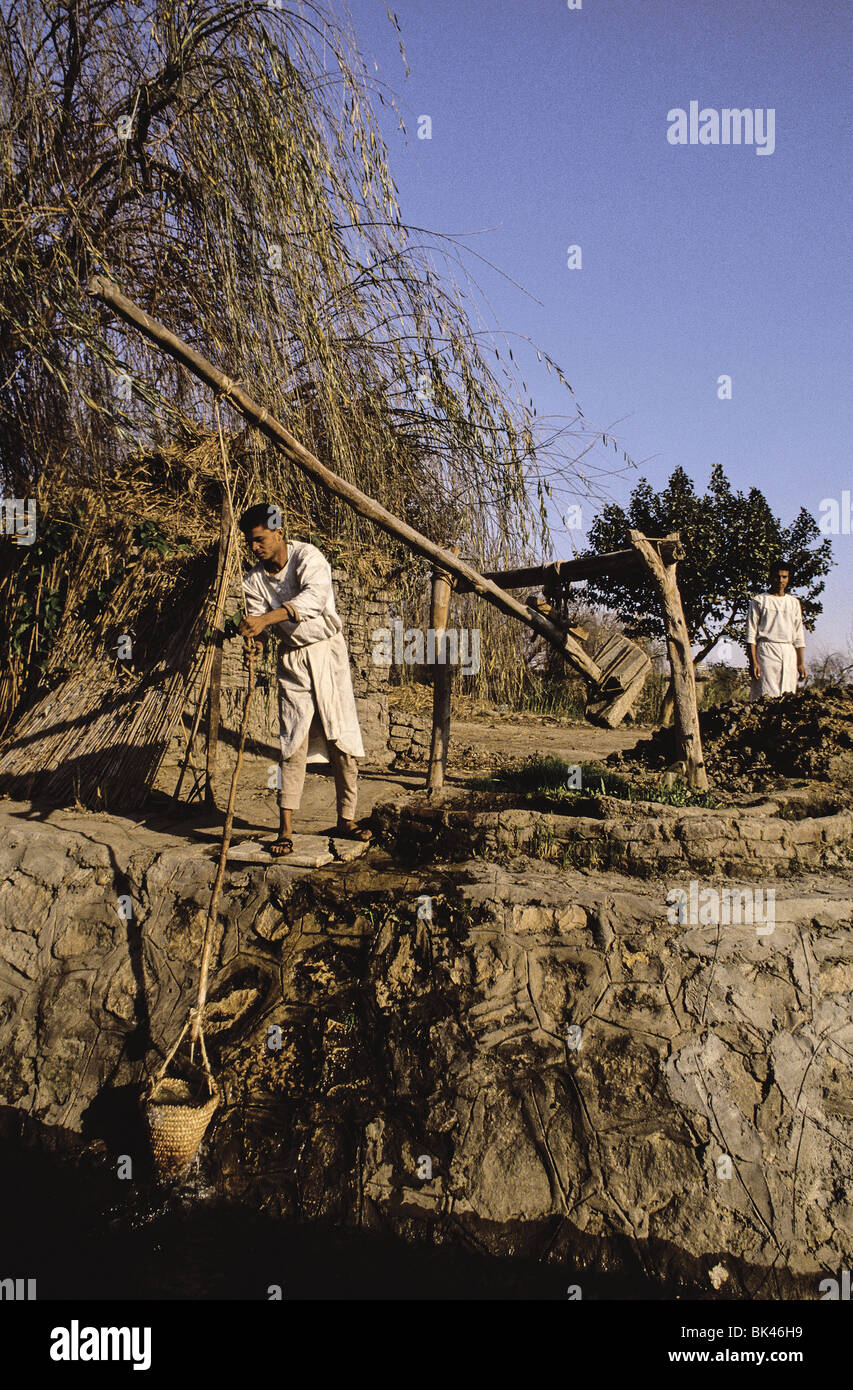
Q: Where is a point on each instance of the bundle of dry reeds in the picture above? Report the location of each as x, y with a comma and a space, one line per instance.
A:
98, 735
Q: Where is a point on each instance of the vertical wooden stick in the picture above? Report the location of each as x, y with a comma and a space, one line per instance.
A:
680, 659
210, 924
204, 678
213, 709
439, 611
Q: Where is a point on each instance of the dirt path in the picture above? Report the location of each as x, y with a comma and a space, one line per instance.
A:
476, 747
475, 743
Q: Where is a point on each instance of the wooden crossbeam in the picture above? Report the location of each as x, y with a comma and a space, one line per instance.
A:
584, 567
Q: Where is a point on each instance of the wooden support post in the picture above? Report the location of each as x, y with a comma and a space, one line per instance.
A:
213, 709
442, 677
680, 659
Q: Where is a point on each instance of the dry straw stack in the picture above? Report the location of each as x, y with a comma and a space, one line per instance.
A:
99, 732
135, 561
140, 560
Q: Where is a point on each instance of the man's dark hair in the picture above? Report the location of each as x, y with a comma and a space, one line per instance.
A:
261, 514
774, 569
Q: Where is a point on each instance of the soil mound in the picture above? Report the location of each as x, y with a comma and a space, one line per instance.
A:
808, 734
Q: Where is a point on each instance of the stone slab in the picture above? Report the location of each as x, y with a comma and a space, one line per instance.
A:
309, 851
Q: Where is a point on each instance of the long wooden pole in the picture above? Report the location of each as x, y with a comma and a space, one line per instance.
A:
260, 417
680, 659
196, 1014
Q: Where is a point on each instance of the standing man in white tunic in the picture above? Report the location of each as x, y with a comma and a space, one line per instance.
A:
291, 589
775, 638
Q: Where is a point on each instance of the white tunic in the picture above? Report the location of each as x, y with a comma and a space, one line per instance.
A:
775, 624
775, 618
313, 667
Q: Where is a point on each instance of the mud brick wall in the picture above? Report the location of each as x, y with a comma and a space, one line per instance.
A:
409, 735
363, 609
648, 841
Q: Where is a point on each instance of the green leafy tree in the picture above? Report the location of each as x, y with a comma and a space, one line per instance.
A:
730, 538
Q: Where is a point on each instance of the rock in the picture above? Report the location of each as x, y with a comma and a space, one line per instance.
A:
120, 998
309, 852
347, 850
20, 951
249, 852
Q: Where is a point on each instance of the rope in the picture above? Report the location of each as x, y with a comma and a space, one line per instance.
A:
196, 1014
195, 1019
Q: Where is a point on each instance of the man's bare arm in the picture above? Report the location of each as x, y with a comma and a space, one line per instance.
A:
253, 626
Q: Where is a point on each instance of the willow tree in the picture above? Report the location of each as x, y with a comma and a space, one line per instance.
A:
223, 163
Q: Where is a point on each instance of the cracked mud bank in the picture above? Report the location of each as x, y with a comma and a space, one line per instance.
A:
534, 1063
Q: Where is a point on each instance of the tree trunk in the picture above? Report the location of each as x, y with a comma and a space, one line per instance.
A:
667, 709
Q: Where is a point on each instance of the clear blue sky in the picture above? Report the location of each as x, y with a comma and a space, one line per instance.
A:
549, 127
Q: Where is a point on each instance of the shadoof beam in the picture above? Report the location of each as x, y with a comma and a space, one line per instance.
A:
104, 290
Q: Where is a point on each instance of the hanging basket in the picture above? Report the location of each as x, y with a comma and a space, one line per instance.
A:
177, 1115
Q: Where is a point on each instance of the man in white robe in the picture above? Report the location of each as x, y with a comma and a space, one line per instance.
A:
775, 638
290, 589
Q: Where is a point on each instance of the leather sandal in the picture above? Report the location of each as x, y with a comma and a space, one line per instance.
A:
280, 847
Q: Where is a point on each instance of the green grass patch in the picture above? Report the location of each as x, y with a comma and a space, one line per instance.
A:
554, 780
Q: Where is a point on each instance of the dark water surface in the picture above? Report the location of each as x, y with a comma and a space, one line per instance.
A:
85, 1234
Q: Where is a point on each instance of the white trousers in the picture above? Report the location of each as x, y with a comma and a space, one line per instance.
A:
778, 664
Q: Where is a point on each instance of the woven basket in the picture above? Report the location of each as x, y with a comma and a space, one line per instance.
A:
177, 1116
177, 1123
